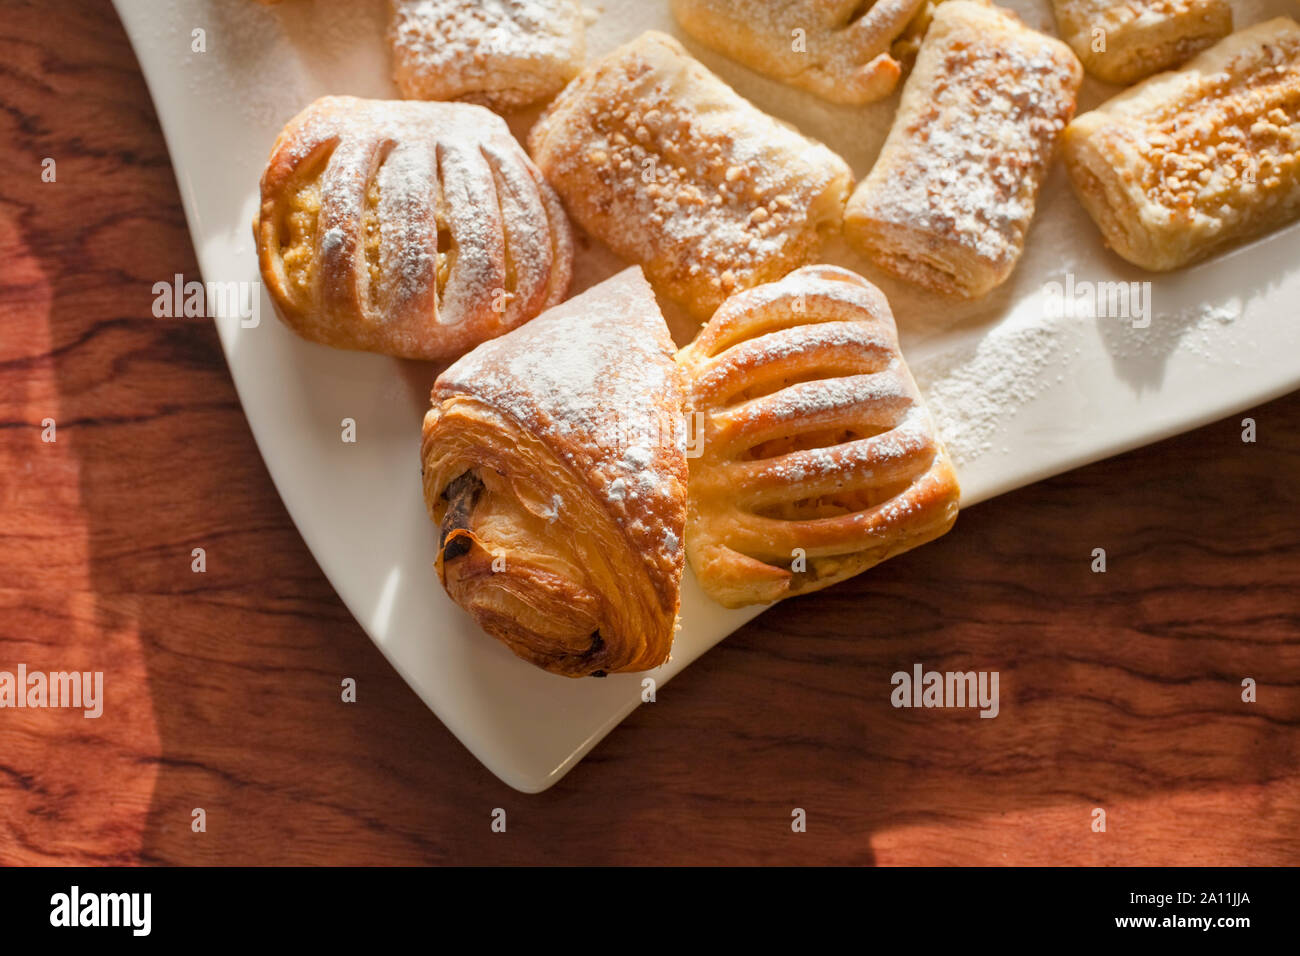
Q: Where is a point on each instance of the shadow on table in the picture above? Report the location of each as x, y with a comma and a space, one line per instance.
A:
1117, 690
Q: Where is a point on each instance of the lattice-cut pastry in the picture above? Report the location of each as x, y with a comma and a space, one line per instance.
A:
949, 201
412, 229
504, 54
1189, 162
818, 457
838, 49
1122, 41
666, 164
554, 463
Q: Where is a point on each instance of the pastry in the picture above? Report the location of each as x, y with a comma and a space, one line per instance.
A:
950, 198
504, 54
818, 457
665, 163
1187, 163
412, 229
1122, 41
554, 463
908, 43
838, 49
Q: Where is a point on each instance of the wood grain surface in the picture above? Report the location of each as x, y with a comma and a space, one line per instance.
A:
1119, 691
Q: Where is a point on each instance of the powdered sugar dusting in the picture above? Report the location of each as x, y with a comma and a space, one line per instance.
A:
665, 163
595, 376
501, 53
978, 126
974, 392
418, 203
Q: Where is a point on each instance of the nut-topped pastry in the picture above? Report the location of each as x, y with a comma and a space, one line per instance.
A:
1190, 162
674, 171
412, 229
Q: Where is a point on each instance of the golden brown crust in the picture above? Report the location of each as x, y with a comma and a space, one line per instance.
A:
1190, 162
412, 229
567, 545
1123, 41
819, 459
949, 201
503, 54
838, 49
666, 164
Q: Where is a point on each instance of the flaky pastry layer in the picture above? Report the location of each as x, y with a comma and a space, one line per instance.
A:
818, 458
949, 201
1192, 161
839, 49
554, 464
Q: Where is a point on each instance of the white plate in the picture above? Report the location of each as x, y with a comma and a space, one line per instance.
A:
1223, 336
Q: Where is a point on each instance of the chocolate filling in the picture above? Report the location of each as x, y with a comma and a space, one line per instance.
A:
461, 495
597, 645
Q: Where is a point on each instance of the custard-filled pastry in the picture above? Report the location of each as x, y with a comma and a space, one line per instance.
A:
949, 201
1122, 41
1187, 163
819, 458
666, 164
833, 48
555, 467
504, 54
412, 229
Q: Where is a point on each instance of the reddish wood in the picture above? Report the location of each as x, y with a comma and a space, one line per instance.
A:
1118, 691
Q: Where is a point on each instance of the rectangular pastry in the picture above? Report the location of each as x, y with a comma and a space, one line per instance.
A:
949, 201
502, 54
673, 170
1123, 41
1186, 163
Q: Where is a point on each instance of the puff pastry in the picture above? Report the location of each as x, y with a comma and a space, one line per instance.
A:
412, 229
504, 54
838, 49
908, 43
1189, 162
819, 458
1122, 41
666, 164
949, 201
554, 463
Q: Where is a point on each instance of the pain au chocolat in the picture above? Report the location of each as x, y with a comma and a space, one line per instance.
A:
554, 463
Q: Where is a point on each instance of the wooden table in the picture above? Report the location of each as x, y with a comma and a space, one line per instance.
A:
1119, 691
